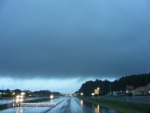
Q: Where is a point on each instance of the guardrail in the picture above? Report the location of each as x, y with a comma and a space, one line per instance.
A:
34, 104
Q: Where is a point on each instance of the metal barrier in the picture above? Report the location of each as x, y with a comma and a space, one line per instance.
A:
34, 104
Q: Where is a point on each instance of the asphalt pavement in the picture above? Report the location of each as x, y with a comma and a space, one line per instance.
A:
63, 105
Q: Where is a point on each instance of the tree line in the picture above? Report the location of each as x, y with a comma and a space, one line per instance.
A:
28, 93
120, 84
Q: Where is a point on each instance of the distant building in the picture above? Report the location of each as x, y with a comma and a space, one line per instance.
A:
133, 92
130, 88
115, 93
143, 90
1, 93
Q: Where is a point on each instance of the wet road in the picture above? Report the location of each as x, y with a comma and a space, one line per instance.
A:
63, 105
74, 105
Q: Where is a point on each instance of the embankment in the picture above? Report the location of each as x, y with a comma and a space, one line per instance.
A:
122, 106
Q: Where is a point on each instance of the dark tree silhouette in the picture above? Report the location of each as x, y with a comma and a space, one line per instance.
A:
120, 84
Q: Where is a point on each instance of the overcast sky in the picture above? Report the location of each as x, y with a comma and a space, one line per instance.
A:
66, 42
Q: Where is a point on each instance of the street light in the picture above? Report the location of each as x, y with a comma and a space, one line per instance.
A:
92, 94
81, 94
51, 96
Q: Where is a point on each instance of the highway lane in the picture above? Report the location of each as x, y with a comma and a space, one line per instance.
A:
32, 109
63, 105
74, 105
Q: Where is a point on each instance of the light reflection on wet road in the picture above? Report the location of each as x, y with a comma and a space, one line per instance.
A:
63, 105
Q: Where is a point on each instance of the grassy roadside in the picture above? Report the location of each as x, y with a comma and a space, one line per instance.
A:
6, 106
122, 106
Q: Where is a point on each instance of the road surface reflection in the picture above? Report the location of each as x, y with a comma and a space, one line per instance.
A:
19, 109
63, 105
96, 109
81, 103
91, 108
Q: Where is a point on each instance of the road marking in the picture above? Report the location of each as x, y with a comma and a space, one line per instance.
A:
53, 106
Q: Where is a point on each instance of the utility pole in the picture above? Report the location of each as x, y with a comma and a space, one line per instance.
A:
109, 88
147, 71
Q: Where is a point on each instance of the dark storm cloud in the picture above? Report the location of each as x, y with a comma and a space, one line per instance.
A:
74, 38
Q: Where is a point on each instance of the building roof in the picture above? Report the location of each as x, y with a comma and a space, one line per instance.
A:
130, 87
